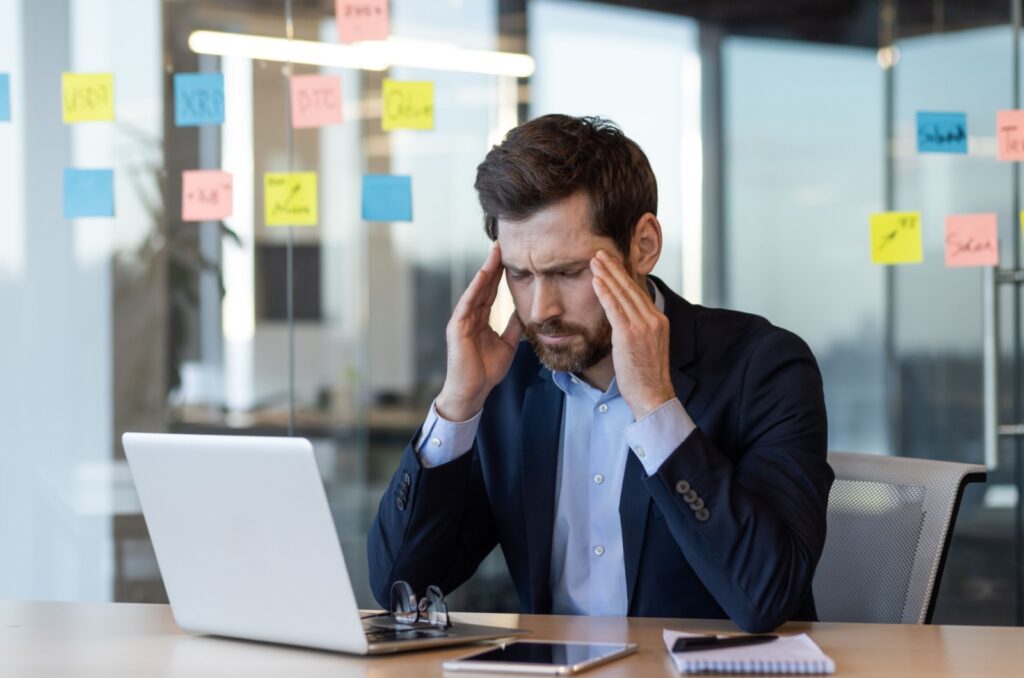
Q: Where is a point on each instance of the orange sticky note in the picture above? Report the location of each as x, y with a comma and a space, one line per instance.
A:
316, 100
1010, 135
972, 240
206, 195
361, 20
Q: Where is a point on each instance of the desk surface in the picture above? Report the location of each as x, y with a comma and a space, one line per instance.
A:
108, 639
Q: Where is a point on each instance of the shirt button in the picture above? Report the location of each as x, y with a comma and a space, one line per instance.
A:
575, 380
436, 442
640, 452
603, 407
598, 550
598, 478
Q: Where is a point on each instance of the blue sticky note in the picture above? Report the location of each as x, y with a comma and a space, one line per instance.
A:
5, 97
941, 132
88, 193
198, 99
387, 197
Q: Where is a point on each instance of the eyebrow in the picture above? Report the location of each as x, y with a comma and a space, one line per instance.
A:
555, 268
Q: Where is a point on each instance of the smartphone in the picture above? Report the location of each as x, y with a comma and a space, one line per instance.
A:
541, 657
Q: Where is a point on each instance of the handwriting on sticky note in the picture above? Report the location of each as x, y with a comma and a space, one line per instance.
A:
316, 100
88, 193
408, 105
972, 240
5, 97
206, 195
289, 199
941, 132
361, 20
387, 197
896, 238
1010, 135
87, 97
198, 99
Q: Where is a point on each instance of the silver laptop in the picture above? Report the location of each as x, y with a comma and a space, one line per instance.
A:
247, 547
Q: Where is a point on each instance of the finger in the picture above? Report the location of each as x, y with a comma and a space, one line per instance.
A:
627, 304
495, 284
513, 330
639, 296
471, 298
612, 308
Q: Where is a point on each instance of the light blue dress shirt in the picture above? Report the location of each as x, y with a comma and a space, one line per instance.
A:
588, 573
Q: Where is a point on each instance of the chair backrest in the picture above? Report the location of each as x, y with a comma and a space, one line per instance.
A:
890, 520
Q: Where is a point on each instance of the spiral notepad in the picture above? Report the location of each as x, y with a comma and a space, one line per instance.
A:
789, 655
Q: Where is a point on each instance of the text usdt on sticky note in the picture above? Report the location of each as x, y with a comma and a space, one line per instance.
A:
972, 240
407, 105
206, 195
289, 199
87, 97
896, 238
361, 20
316, 100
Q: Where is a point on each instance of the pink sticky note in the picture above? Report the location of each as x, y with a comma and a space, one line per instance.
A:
316, 100
361, 20
972, 240
206, 195
1010, 135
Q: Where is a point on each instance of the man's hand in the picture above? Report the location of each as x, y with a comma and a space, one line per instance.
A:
639, 337
478, 357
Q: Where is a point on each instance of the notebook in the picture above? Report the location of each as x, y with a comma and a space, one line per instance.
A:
788, 655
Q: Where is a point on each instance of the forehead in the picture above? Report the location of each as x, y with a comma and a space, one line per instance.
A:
556, 233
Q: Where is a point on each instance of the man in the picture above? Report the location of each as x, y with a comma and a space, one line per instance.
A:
638, 455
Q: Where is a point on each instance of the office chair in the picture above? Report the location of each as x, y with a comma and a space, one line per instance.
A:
890, 521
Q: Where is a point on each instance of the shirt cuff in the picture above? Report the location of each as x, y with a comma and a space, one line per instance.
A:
442, 441
657, 435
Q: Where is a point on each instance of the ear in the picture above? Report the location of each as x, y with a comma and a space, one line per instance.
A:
645, 249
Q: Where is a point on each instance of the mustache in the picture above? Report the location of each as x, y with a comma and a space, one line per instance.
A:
553, 327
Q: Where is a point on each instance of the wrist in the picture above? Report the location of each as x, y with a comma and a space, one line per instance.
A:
455, 409
649, 403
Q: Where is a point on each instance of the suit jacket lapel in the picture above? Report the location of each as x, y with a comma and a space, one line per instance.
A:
541, 426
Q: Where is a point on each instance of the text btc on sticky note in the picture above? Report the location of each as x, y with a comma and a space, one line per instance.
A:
316, 100
198, 99
972, 240
88, 193
361, 20
896, 238
941, 132
206, 195
87, 97
289, 199
5, 97
1010, 135
408, 105
387, 197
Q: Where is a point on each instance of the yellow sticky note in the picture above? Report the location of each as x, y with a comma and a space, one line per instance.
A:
408, 105
87, 97
289, 199
896, 238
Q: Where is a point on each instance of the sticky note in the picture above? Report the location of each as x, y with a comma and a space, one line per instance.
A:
361, 20
972, 240
198, 99
289, 199
387, 197
88, 193
941, 132
1010, 135
316, 100
5, 97
896, 238
408, 105
206, 195
87, 97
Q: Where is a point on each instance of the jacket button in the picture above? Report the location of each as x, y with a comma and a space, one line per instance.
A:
690, 496
400, 503
697, 504
682, 487
702, 515
406, 478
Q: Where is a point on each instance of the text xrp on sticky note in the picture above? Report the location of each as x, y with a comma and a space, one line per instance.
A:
198, 99
289, 199
87, 97
972, 240
206, 195
407, 105
896, 238
316, 100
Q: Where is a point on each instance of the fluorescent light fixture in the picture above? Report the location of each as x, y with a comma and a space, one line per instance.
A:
368, 56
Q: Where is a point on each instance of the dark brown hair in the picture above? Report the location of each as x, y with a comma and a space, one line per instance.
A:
550, 158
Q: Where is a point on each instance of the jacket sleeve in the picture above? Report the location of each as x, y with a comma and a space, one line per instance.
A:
433, 525
752, 522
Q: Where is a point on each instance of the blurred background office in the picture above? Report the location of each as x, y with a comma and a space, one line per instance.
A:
775, 130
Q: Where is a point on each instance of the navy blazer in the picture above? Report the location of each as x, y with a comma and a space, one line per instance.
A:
732, 525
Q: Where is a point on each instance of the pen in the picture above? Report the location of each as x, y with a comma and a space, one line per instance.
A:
694, 643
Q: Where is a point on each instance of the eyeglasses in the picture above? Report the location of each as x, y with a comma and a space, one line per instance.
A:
407, 611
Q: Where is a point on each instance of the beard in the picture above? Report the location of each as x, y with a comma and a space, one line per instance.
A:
571, 356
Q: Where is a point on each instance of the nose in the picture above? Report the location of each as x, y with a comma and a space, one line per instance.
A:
546, 301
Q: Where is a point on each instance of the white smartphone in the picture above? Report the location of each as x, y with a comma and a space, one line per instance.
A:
541, 657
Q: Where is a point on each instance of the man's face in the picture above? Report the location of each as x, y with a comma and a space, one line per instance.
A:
547, 267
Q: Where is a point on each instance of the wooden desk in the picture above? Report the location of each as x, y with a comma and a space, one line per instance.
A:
120, 639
